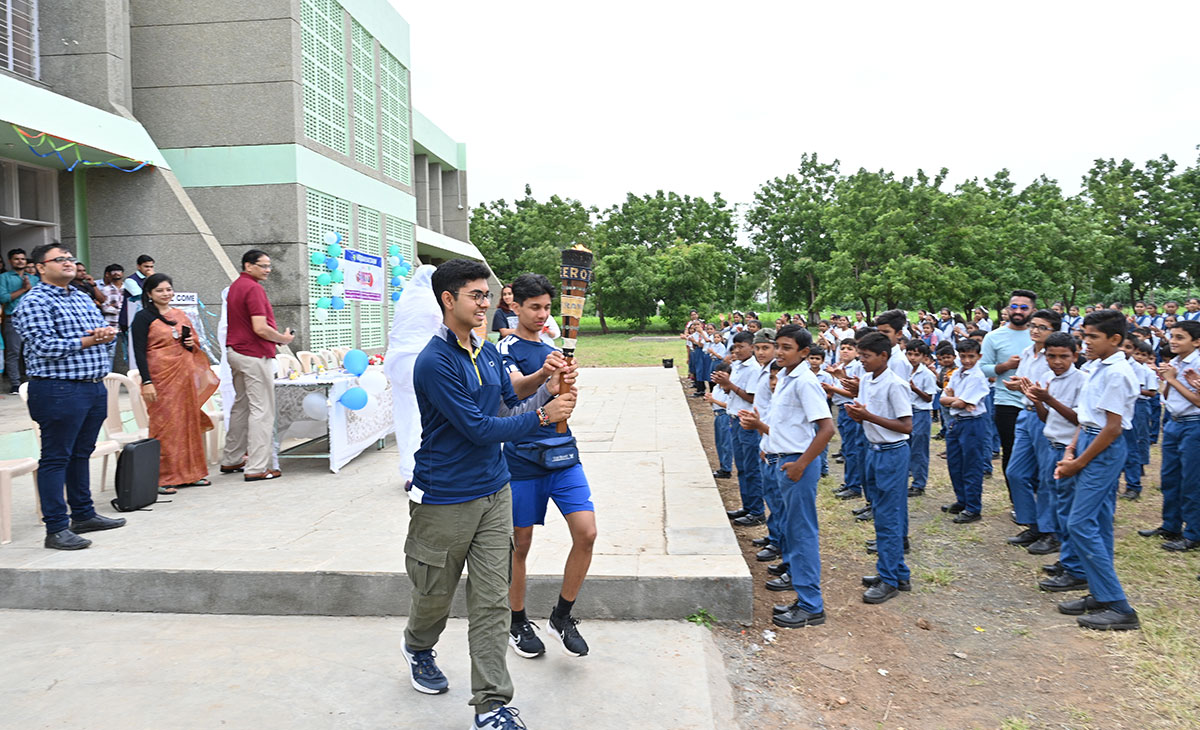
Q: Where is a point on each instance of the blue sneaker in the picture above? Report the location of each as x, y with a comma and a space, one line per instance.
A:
426, 677
502, 718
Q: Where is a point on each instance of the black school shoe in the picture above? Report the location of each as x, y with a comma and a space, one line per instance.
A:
873, 546
870, 580
1064, 582
1182, 545
913, 492
1055, 568
1080, 606
865, 515
777, 569
66, 540
1160, 532
782, 583
797, 618
767, 554
761, 542
953, 508
964, 517
733, 514
1110, 620
1028, 536
880, 592
718, 474
860, 510
847, 494
749, 520
1045, 545
97, 523
1131, 495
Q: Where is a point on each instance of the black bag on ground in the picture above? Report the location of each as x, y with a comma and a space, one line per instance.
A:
137, 475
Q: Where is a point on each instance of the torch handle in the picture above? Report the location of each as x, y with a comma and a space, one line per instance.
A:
562, 425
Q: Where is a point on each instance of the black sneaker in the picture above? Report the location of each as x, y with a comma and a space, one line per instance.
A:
1110, 620
524, 641
566, 633
425, 675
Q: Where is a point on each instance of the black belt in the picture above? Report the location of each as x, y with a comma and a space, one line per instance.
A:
69, 380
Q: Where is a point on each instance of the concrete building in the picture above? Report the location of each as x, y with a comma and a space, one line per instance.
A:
193, 131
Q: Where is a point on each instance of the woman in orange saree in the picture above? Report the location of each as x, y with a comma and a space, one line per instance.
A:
176, 381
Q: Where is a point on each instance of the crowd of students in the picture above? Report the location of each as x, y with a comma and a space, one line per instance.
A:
1069, 402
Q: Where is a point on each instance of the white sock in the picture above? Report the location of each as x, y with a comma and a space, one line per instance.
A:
480, 717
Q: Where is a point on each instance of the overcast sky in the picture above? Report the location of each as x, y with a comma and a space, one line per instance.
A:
595, 99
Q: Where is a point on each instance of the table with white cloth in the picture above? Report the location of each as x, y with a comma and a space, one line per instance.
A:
349, 432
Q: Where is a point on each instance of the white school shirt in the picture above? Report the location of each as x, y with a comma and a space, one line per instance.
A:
853, 370
797, 403
762, 392
1148, 378
718, 393
743, 374
1176, 404
926, 382
1064, 389
946, 327
1143, 320
898, 363
984, 324
1189, 316
1070, 324
1033, 366
970, 385
717, 350
1111, 387
885, 395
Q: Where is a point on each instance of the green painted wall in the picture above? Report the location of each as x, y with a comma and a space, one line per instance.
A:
437, 144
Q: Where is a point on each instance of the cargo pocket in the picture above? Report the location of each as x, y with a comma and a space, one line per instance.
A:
426, 567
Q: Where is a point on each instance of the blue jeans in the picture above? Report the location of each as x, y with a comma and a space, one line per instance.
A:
1023, 468
724, 441
918, 461
887, 465
1155, 418
777, 530
69, 414
824, 460
1064, 498
803, 550
1181, 478
853, 445
745, 455
966, 453
1090, 524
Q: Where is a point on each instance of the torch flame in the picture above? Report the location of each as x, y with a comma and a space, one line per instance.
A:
581, 247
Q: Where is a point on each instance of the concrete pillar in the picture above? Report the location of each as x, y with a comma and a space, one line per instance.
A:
421, 188
84, 51
455, 211
435, 197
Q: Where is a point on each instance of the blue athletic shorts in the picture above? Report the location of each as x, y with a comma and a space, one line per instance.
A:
567, 487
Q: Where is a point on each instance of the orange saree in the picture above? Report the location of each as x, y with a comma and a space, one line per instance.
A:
184, 381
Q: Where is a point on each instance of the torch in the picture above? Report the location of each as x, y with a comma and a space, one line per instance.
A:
576, 274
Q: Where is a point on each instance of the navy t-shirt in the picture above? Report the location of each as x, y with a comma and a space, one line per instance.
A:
525, 357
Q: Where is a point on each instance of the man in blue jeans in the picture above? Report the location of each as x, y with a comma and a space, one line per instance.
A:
68, 351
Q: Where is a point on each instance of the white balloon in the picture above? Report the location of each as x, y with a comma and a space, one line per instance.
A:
321, 314
373, 381
371, 408
339, 290
315, 407
332, 237
393, 260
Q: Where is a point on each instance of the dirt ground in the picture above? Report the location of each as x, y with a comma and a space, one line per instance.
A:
974, 645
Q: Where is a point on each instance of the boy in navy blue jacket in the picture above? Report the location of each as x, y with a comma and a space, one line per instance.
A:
544, 465
460, 507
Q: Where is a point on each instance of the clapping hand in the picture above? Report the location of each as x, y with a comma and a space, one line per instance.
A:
856, 410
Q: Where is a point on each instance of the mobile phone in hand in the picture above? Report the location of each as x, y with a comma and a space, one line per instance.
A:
185, 333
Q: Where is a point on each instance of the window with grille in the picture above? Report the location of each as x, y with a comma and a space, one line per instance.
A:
394, 118
323, 214
323, 46
370, 314
362, 61
19, 37
398, 232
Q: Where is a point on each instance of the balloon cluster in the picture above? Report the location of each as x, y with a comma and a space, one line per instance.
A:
399, 268
362, 397
332, 277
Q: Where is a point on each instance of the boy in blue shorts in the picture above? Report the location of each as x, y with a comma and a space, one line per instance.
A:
969, 441
884, 408
922, 384
1095, 459
544, 466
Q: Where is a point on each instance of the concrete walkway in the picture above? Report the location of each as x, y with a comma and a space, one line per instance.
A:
151, 671
325, 544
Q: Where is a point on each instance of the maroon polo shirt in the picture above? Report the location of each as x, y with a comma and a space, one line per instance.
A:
247, 299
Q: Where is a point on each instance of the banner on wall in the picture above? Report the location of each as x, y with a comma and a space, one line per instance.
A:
364, 276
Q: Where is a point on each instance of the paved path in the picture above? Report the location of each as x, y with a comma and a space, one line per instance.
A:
319, 543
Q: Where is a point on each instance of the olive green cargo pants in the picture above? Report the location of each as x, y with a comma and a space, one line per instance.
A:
441, 539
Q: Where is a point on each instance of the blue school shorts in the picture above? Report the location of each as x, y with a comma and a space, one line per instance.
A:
567, 487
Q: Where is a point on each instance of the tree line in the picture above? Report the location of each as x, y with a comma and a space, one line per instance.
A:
819, 239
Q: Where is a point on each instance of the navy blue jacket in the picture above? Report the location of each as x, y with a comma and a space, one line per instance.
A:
460, 458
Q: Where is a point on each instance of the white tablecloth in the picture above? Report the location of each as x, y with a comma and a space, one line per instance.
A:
350, 432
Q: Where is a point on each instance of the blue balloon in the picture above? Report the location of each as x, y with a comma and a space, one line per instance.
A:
333, 250
396, 281
395, 296
324, 303
354, 398
331, 263
337, 303
355, 362
404, 269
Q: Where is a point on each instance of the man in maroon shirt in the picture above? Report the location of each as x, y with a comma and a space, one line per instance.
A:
250, 340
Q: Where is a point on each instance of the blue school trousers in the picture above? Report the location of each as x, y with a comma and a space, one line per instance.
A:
749, 473
1090, 523
853, 449
1022, 471
966, 453
886, 468
1155, 417
1137, 443
918, 460
1181, 476
1064, 496
776, 506
991, 404
723, 439
801, 549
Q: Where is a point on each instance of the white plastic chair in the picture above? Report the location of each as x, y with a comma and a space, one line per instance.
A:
114, 424
309, 361
10, 468
331, 358
285, 365
103, 450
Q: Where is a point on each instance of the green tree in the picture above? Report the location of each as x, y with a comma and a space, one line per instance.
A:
528, 235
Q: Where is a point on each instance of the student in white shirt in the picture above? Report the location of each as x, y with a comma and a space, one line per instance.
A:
923, 384
968, 442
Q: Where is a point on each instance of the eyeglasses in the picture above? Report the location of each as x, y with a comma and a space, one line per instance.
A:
264, 267
480, 297
1041, 328
60, 260
1021, 307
